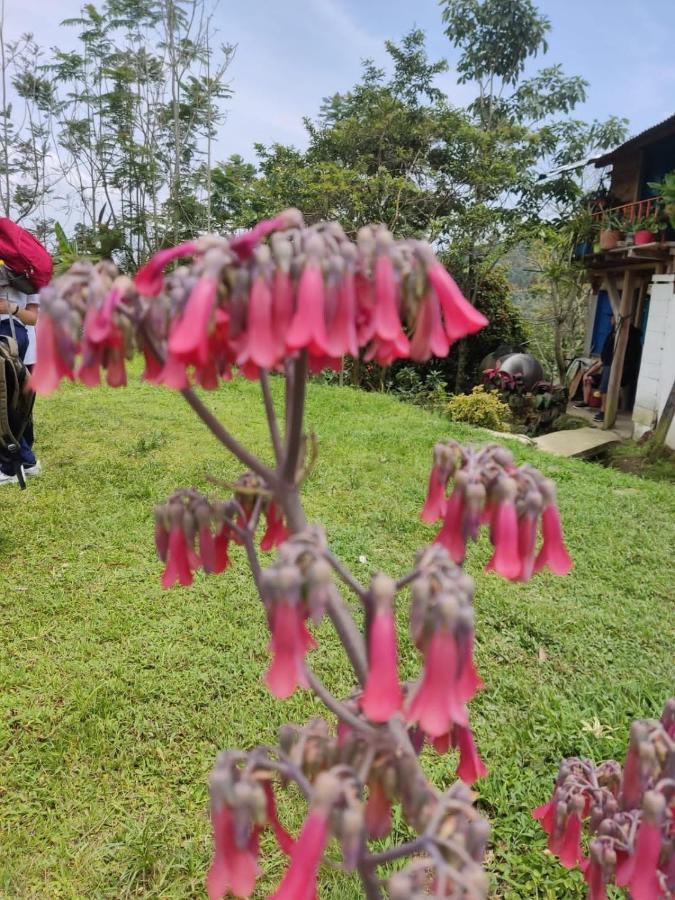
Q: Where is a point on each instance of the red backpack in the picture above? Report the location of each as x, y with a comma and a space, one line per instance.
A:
25, 256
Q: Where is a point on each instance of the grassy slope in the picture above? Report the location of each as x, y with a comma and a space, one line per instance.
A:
116, 695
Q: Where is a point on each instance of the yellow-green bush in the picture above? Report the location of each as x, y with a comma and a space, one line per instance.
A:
480, 407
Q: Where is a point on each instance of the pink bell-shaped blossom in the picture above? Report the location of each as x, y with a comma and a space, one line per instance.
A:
282, 304
435, 704
262, 346
342, 337
99, 327
632, 785
382, 696
50, 367
429, 338
504, 532
644, 882
527, 540
469, 680
207, 549
189, 340
553, 552
161, 540
173, 373
308, 328
115, 372
386, 319
567, 844
153, 367
299, 882
378, 810
471, 766
150, 278
177, 560
594, 878
435, 503
461, 318
276, 532
284, 840
386, 352
451, 536
545, 815
289, 645
244, 244
221, 543
232, 869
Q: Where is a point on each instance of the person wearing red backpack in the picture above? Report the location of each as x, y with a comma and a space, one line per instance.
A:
25, 267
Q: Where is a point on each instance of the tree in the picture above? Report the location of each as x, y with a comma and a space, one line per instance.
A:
26, 176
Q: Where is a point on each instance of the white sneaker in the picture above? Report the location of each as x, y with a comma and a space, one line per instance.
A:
35, 469
7, 479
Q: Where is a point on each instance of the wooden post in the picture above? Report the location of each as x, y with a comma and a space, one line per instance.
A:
620, 344
666, 420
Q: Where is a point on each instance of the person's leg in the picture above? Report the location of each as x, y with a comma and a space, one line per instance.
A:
604, 384
27, 456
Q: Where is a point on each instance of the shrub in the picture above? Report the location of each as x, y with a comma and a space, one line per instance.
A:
480, 407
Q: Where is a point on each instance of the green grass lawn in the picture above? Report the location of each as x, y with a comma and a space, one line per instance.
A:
116, 695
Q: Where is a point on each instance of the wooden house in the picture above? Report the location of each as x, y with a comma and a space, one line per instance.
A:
636, 283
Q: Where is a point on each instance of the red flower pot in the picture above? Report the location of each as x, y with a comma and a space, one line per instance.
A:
644, 237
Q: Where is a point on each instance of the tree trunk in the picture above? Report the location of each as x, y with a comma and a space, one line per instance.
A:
623, 329
558, 349
462, 361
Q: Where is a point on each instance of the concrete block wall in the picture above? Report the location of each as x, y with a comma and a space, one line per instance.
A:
657, 368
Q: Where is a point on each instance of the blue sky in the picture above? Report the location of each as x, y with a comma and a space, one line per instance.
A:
292, 53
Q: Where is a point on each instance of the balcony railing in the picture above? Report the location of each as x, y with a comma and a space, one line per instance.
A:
629, 212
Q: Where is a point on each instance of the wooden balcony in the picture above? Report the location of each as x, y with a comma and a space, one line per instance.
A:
629, 212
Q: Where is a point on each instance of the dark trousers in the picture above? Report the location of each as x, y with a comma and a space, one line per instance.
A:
26, 444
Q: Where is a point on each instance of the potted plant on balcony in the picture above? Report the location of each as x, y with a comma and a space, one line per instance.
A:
666, 190
611, 229
645, 229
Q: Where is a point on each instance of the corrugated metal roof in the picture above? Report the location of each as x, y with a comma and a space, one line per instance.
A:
643, 137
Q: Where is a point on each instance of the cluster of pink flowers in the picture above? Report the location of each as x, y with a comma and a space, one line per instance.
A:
630, 815
488, 488
253, 301
193, 532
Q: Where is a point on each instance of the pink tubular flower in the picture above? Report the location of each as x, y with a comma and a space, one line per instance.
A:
232, 869
284, 840
276, 532
173, 373
451, 535
244, 244
471, 766
189, 340
469, 680
429, 338
207, 549
308, 328
150, 278
342, 337
545, 815
435, 704
527, 539
115, 370
153, 367
177, 560
221, 543
553, 552
505, 559
593, 876
289, 644
386, 319
299, 882
378, 810
461, 318
262, 345
381, 696
644, 882
435, 504
567, 844
50, 367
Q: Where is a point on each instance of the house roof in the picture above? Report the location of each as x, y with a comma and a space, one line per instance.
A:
648, 136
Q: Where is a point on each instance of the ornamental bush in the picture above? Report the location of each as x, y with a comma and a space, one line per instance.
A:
480, 407
293, 300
